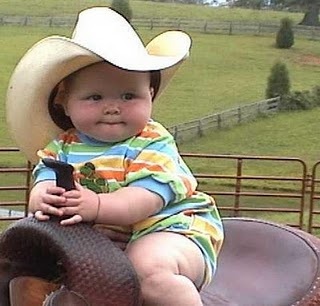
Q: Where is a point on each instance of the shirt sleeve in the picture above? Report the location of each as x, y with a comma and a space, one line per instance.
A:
41, 172
162, 189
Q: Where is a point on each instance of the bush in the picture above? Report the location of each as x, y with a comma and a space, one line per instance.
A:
123, 8
278, 81
316, 95
285, 36
298, 100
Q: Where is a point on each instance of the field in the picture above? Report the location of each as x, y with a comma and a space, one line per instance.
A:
144, 9
222, 72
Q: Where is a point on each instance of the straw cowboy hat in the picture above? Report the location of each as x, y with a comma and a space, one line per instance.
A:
100, 34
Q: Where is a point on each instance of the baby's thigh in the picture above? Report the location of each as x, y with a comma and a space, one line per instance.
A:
167, 252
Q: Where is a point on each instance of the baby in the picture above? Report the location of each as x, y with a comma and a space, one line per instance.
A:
93, 94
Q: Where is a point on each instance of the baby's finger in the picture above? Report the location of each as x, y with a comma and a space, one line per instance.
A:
39, 215
72, 194
55, 190
50, 210
54, 200
71, 202
69, 210
73, 220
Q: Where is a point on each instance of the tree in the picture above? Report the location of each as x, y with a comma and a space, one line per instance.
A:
278, 81
123, 8
311, 9
311, 16
285, 36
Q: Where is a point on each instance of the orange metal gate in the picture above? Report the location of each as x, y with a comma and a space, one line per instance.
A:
266, 194
15, 180
282, 196
314, 211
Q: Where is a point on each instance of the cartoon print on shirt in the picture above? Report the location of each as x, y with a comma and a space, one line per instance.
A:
90, 179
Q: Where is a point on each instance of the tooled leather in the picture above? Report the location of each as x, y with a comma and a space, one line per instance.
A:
79, 257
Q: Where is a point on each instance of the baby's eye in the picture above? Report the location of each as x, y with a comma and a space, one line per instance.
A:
127, 96
95, 97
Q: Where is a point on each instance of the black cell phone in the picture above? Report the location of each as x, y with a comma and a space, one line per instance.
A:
63, 171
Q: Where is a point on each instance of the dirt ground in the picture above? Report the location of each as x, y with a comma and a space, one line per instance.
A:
308, 59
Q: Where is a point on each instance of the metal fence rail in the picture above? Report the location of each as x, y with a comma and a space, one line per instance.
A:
239, 191
15, 186
314, 212
243, 186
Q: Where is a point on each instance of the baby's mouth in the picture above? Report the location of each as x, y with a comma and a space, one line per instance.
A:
110, 122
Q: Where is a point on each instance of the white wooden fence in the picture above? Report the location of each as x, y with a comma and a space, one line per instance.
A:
205, 125
205, 26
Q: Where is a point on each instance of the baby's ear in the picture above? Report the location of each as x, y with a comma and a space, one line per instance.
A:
61, 96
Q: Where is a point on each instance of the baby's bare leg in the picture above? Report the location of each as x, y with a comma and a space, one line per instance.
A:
170, 268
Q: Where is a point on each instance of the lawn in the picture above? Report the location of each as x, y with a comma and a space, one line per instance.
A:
294, 134
145, 9
222, 71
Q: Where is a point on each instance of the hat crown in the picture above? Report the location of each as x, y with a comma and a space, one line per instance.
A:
102, 30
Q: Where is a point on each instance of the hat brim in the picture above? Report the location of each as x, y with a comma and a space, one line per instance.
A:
51, 60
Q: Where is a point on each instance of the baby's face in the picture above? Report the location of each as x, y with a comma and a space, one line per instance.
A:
107, 103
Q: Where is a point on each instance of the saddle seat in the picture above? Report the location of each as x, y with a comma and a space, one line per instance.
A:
265, 264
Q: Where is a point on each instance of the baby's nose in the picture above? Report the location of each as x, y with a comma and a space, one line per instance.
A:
111, 109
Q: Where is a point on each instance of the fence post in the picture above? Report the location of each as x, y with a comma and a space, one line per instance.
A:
25, 21
151, 24
50, 21
230, 28
28, 184
175, 132
200, 128
258, 109
239, 115
313, 34
259, 29
219, 121
238, 188
205, 27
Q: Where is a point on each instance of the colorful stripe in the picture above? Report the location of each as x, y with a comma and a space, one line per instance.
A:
150, 158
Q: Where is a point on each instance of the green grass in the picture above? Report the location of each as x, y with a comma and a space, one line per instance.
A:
292, 134
222, 71
144, 9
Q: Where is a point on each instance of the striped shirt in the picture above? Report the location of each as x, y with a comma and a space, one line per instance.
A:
149, 160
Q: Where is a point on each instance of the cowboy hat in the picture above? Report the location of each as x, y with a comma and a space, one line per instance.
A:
100, 34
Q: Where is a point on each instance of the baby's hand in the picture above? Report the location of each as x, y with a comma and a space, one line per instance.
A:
45, 200
81, 204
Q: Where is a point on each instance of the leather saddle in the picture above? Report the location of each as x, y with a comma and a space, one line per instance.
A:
265, 264
261, 264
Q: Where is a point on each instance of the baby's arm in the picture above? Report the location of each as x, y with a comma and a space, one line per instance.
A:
45, 197
125, 206
128, 205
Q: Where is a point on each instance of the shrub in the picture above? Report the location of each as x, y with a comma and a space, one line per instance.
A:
123, 8
285, 36
297, 100
316, 95
278, 81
